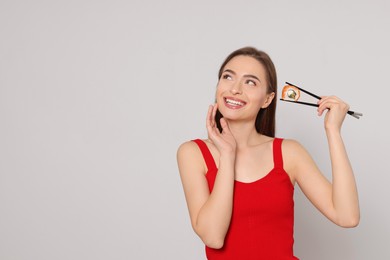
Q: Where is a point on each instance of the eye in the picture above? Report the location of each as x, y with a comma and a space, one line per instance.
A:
251, 82
227, 76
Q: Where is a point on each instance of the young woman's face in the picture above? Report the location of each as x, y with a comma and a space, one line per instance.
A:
242, 89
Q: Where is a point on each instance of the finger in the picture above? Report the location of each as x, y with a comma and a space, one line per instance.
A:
209, 115
215, 111
326, 105
320, 101
209, 123
225, 126
333, 102
212, 116
330, 98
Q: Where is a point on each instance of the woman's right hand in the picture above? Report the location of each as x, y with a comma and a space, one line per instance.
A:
224, 141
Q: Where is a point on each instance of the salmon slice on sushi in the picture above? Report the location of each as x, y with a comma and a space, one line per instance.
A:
290, 93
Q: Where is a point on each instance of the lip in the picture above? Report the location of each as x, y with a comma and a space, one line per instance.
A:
240, 103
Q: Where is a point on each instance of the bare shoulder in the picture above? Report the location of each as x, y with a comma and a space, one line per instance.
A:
292, 147
189, 155
187, 148
294, 155
190, 148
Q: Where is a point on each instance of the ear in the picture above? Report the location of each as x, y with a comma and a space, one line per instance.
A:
268, 100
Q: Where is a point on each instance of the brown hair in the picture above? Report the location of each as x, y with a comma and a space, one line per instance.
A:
265, 120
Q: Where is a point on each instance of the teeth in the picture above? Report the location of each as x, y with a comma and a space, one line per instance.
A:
234, 102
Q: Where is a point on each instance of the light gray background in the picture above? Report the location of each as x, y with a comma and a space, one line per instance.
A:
96, 96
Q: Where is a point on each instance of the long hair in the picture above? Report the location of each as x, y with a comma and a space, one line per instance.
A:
265, 119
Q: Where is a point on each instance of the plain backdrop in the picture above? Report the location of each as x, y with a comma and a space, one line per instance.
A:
96, 97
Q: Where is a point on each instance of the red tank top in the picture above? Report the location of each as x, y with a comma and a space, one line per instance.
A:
262, 220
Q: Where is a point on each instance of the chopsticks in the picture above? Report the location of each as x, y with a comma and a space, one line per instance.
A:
301, 89
352, 113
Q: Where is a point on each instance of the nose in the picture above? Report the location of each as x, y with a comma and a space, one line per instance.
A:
236, 88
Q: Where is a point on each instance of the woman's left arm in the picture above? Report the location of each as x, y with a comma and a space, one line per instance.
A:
337, 200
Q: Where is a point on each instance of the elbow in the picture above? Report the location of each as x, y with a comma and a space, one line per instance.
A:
213, 243
211, 240
350, 223
349, 218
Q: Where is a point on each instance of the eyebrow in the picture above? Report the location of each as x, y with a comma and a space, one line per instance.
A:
246, 75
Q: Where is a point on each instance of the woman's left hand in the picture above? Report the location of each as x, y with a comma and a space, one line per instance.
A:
337, 110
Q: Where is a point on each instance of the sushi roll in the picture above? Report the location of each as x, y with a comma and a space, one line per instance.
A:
290, 93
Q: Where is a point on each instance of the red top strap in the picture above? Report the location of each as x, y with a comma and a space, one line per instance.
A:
277, 152
277, 148
206, 154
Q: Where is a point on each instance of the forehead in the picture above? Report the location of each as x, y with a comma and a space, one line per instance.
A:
246, 65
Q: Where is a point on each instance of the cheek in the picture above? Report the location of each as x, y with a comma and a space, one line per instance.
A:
219, 90
258, 99
219, 100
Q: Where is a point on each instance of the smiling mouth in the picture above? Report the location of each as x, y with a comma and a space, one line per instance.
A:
234, 103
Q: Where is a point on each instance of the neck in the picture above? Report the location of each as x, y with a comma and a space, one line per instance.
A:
244, 133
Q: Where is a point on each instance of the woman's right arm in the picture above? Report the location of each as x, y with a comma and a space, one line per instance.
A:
210, 213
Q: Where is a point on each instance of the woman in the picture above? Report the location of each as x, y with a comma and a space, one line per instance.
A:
239, 183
